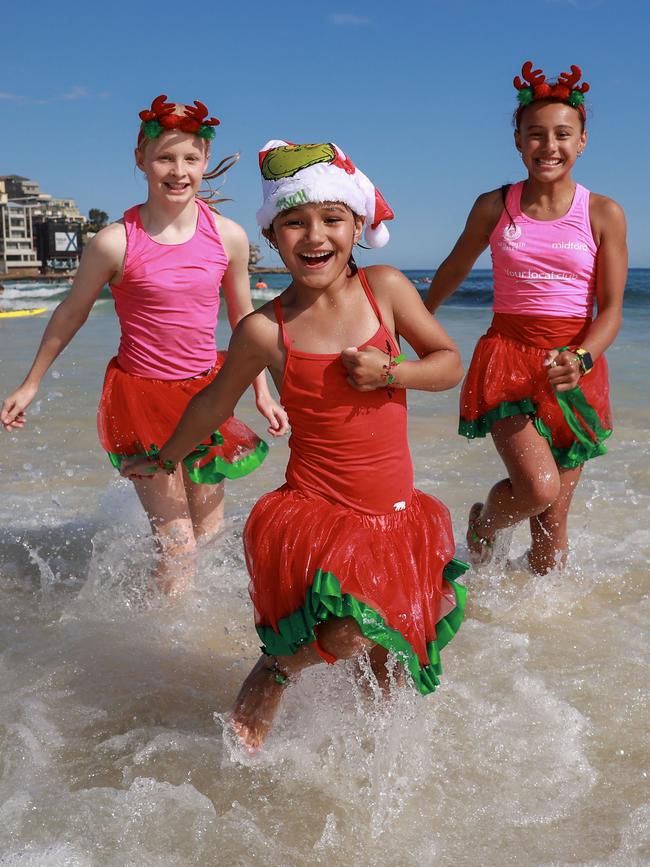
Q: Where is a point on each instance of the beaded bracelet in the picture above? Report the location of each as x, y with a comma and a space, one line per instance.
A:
392, 362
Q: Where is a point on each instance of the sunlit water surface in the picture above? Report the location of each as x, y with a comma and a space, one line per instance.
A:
114, 750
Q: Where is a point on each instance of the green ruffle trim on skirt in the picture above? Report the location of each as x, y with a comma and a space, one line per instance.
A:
325, 600
585, 425
578, 414
214, 471
480, 427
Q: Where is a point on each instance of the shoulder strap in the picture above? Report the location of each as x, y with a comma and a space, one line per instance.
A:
371, 298
277, 309
373, 303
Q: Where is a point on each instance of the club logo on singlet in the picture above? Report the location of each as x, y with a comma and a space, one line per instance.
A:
512, 232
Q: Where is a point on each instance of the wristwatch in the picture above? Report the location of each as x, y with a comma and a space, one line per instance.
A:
585, 361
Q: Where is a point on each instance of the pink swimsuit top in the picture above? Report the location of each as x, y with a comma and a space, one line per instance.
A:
168, 300
347, 446
544, 267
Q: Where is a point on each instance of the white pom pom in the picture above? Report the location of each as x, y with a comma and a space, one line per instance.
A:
377, 237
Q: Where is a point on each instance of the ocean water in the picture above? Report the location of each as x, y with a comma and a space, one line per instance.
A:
534, 750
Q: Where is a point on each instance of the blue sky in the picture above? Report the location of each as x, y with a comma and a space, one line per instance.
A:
419, 94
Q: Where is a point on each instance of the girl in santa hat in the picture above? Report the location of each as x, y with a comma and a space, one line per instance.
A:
347, 557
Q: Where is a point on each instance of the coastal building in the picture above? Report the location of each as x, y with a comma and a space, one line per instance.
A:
17, 249
37, 230
58, 243
17, 187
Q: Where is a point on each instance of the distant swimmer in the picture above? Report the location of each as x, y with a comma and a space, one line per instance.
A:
538, 379
173, 245
261, 285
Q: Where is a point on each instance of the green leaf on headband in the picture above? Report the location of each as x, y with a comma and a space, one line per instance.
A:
576, 98
525, 96
152, 128
207, 132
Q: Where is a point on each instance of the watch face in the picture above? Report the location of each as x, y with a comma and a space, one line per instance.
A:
586, 360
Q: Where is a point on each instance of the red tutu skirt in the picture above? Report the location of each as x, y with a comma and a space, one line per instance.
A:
136, 416
507, 378
311, 560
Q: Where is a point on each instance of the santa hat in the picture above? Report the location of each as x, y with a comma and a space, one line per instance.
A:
294, 175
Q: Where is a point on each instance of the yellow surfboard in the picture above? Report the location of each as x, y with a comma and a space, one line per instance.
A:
10, 314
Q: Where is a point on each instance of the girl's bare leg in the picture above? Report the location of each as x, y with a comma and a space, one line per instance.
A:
533, 482
261, 693
549, 528
206, 505
165, 502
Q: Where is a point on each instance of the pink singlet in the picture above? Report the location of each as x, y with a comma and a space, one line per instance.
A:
544, 292
544, 267
168, 300
167, 303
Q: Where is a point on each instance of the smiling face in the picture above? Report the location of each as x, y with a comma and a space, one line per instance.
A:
174, 164
550, 137
315, 240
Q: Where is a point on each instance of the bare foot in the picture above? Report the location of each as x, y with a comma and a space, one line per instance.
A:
173, 586
480, 546
257, 704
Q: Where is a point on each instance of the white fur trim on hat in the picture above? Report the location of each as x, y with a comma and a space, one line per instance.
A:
298, 174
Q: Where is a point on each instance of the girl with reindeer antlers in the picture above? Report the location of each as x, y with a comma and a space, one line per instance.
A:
538, 378
165, 261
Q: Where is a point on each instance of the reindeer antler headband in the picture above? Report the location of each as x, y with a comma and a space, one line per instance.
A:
565, 89
168, 115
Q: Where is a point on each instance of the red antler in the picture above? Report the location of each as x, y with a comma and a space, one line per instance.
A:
570, 80
159, 108
532, 77
567, 82
170, 115
199, 114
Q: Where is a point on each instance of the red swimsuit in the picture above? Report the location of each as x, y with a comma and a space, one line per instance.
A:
347, 535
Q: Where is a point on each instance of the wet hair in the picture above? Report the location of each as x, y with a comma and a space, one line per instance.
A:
504, 193
519, 111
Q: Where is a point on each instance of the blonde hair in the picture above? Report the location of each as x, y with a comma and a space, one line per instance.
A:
209, 196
